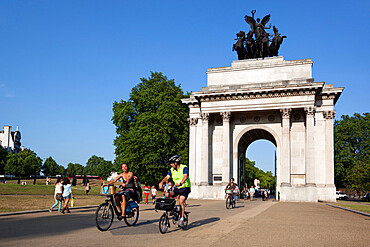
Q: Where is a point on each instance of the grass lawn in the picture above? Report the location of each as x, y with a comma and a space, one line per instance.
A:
15, 203
18, 189
363, 207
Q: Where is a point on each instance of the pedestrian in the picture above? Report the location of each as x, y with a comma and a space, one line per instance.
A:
138, 189
154, 193
236, 192
146, 193
58, 195
87, 188
67, 194
168, 189
251, 192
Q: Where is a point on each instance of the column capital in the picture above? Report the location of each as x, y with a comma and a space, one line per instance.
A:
193, 121
310, 111
286, 112
329, 114
226, 116
204, 116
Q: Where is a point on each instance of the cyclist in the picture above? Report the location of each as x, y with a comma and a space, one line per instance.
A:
180, 176
127, 191
232, 187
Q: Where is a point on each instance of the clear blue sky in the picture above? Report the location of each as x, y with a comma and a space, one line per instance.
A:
64, 63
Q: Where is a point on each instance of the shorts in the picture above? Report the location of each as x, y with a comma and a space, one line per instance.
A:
67, 197
153, 197
128, 193
182, 192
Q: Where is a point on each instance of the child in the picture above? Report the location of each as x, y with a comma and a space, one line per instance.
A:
154, 193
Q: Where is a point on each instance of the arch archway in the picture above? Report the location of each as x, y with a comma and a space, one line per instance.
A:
244, 140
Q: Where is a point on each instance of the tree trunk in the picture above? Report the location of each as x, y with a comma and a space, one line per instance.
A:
19, 179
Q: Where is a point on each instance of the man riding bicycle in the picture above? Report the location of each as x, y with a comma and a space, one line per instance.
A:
180, 176
231, 187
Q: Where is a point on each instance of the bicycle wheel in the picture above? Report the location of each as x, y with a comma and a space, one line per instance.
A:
132, 217
104, 216
186, 221
228, 202
163, 223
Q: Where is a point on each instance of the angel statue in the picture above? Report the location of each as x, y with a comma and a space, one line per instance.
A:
258, 28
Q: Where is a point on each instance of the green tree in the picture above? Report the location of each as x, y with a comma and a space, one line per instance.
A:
99, 167
267, 180
351, 145
23, 164
358, 177
74, 169
51, 168
3, 159
151, 126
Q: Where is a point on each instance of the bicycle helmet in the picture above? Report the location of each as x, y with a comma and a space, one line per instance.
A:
175, 159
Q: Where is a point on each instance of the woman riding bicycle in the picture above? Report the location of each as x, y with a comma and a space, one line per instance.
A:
127, 191
231, 187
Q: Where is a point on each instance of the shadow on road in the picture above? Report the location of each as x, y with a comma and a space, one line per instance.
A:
203, 222
54, 224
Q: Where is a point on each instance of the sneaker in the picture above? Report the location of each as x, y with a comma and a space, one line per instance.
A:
181, 222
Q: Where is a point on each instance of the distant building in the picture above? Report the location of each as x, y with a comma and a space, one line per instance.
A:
10, 140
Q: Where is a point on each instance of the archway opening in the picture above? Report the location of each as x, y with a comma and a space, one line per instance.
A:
257, 159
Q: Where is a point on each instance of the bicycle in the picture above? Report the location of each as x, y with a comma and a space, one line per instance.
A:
105, 213
230, 201
170, 209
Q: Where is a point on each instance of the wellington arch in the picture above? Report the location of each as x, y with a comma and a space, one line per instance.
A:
271, 99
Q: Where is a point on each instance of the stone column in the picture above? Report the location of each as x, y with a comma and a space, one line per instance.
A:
204, 166
285, 148
226, 147
329, 146
310, 148
192, 149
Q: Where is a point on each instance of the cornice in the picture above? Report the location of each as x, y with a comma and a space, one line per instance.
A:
255, 94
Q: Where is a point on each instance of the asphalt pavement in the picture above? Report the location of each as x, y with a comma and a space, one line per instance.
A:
256, 223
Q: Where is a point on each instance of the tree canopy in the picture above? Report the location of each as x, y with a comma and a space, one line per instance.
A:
23, 164
98, 166
267, 180
151, 126
74, 169
3, 159
351, 148
51, 168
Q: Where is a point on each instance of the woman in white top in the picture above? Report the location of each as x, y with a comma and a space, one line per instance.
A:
67, 194
57, 195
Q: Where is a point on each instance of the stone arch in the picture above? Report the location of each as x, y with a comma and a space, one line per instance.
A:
256, 132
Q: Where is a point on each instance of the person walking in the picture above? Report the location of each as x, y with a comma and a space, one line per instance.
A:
236, 192
87, 188
57, 195
154, 194
146, 193
67, 194
251, 192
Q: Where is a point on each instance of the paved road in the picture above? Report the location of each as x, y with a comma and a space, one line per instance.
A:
278, 224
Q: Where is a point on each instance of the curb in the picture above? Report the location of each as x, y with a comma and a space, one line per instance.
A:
351, 210
41, 211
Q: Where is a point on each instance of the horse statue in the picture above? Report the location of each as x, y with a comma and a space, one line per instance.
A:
275, 43
239, 45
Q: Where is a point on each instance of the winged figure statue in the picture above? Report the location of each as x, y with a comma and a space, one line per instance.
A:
258, 47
